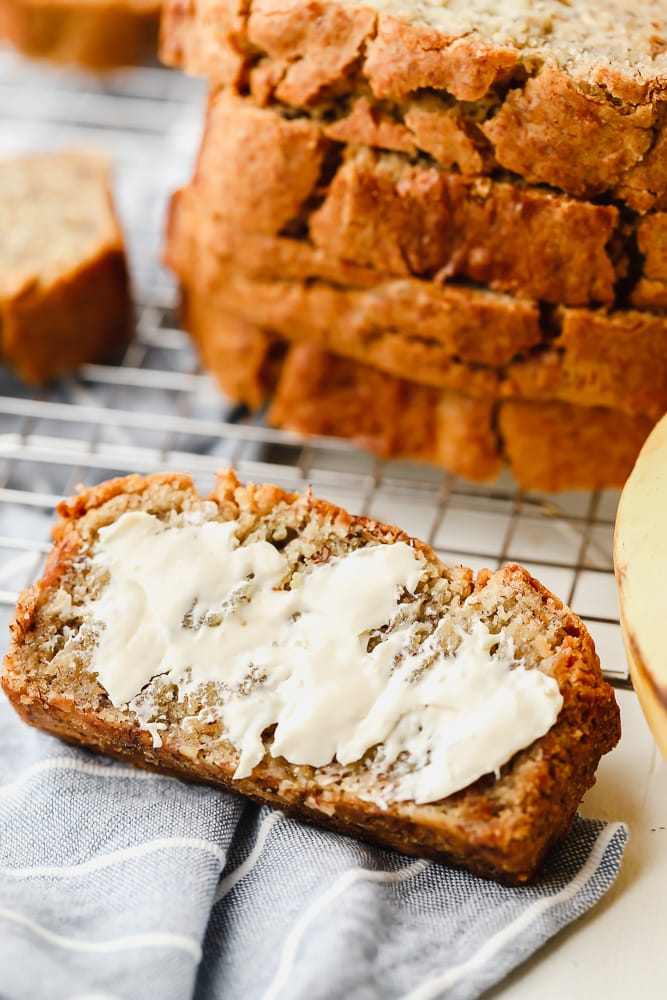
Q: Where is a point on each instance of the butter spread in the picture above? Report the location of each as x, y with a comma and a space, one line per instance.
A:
337, 663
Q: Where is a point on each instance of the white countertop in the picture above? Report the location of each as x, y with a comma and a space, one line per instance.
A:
613, 951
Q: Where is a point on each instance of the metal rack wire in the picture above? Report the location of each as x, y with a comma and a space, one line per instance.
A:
157, 410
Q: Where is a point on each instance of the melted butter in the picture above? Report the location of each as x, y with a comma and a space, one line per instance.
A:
189, 603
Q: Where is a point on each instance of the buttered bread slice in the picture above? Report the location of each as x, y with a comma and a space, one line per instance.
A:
275, 645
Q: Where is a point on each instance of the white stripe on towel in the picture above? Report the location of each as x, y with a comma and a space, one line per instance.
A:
94, 996
227, 884
115, 857
347, 879
156, 939
436, 986
74, 764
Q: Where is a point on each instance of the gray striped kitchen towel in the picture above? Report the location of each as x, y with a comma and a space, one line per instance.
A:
120, 885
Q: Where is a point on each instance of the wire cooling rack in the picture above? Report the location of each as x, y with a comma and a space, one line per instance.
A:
156, 410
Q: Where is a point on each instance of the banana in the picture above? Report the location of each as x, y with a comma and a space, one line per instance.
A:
640, 563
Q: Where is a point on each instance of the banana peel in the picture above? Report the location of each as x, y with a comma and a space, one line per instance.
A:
640, 564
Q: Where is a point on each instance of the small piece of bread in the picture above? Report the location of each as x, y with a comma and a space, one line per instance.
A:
97, 34
499, 825
64, 291
566, 94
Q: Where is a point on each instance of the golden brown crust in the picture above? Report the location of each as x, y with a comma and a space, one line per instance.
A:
586, 131
244, 360
399, 325
398, 219
403, 58
499, 828
84, 317
321, 394
599, 358
539, 132
98, 35
313, 46
54, 318
644, 185
260, 169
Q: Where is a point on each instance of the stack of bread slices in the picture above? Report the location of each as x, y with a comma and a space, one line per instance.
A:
437, 228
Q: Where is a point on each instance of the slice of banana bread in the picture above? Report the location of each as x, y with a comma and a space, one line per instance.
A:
97, 34
320, 393
567, 94
64, 294
454, 717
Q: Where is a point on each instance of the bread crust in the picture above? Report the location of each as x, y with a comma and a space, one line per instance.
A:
260, 169
587, 126
498, 827
98, 35
533, 436
56, 317
244, 359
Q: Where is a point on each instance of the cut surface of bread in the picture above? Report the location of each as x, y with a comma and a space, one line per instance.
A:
97, 34
64, 295
572, 95
415, 627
